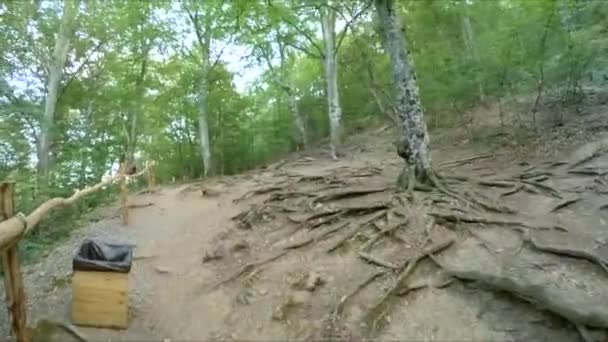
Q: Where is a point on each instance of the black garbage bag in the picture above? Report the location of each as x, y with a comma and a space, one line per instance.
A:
104, 257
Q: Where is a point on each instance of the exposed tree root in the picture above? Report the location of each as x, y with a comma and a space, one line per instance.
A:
260, 191
281, 196
459, 162
551, 298
383, 232
598, 152
512, 191
348, 193
554, 164
250, 267
340, 307
571, 245
486, 205
552, 191
354, 231
377, 261
421, 285
316, 238
140, 205
588, 172
378, 310
497, 184
455, 218
565, 204
535, 175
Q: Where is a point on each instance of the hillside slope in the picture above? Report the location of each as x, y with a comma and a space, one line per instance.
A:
314, 248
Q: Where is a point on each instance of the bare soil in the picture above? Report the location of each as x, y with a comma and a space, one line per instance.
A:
309, 248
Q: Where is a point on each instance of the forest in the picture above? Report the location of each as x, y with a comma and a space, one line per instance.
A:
216, 88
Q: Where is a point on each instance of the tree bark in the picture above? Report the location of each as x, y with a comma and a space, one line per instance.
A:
59, 58
328, 25
413, 144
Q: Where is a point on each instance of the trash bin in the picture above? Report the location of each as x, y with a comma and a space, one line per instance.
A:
100, 284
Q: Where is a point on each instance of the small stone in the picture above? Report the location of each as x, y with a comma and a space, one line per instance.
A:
239, 246
263, 292
162, 270
297, 298
278, 314
243, 298
211, 255
314, 279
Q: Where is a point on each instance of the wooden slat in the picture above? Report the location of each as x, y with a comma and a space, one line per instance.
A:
13, 281
100, 299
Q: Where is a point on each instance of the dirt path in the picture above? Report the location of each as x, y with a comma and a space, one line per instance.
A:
277, 254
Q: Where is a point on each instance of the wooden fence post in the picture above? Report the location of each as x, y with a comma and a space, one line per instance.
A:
151, 177
124, 194
13, 282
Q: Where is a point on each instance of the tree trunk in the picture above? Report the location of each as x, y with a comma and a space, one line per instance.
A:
140, 91
203, 122
413, 144
60, 55
469, 41
204, 39
328, 24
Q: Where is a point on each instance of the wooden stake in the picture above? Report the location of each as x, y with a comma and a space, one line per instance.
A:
124, 195
13, 282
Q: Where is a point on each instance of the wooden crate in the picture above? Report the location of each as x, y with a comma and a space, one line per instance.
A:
100, 299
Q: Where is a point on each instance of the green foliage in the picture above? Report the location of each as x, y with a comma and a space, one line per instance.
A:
138, 59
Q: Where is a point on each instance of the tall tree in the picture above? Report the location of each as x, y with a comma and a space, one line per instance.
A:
324, 12
328, 26
55, 75
413, 144
211, 22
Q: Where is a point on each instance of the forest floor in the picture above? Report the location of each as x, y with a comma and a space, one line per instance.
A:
514, 247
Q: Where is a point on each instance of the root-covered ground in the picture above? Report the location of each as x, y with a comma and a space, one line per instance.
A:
309, 248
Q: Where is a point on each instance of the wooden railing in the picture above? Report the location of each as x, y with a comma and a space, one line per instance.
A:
14, 226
